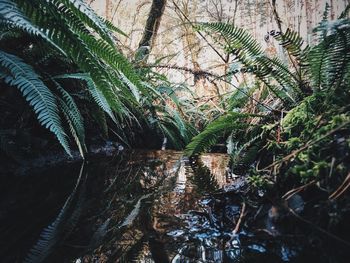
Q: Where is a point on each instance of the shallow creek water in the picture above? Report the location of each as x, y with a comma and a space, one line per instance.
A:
143, 206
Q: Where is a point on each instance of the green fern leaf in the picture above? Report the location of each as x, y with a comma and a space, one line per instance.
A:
112, 27
65, 31
329, 60
249, 52
22, 76
10, 14
95, 93
73, 117
86, 14
293, 43
215, 130
237, 38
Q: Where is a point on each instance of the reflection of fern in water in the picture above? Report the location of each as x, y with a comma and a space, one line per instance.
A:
203, 178
63, 225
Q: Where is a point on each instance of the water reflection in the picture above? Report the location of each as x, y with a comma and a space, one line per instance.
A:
168, 218
218, 165
158, 206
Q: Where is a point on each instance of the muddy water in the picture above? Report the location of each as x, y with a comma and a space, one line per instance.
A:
143, 206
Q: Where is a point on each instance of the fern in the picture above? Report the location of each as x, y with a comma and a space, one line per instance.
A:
89, 17
244, 155
249, 52
73, 117
44, 104
294, 44
63, 224
11, 15
99, 116
113, 28
330, 58
84, 40
237, 39
215, 130
239, 98
83, 48
95, 93
339, 57
345, 13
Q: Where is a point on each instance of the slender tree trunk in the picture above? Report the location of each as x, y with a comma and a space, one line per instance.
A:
152, 24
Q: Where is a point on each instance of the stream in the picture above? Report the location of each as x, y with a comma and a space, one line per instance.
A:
141, 206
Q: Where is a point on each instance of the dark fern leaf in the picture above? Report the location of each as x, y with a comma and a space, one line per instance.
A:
62, 226
93, 90
85, 13
329, 59
249, 53
244, 155
294, 44
11, 14
73, 117
23, 76
210, 135
345, 13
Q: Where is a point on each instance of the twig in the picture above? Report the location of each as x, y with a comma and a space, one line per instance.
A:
312, 224
292, 192
341, 189
242, 214
210, 45
209, 74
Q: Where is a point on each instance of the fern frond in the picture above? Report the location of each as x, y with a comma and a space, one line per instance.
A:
243, 151
237, 39
90, 50
112, 27
63, 224
293, 43
99, 116
239, 98
345, 13
134, 90
73, 117
23, 76
87, 15
10, 14
210, 135
69, 36
111, 56
95, 93
249, 52
280, 72
325, 15
330, 58
339, 58
7, 31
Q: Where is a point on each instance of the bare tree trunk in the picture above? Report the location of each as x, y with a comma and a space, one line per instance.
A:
152, 24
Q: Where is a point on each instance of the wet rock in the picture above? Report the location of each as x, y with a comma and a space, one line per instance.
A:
237, 186
274, 216
296, 203
109, 149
